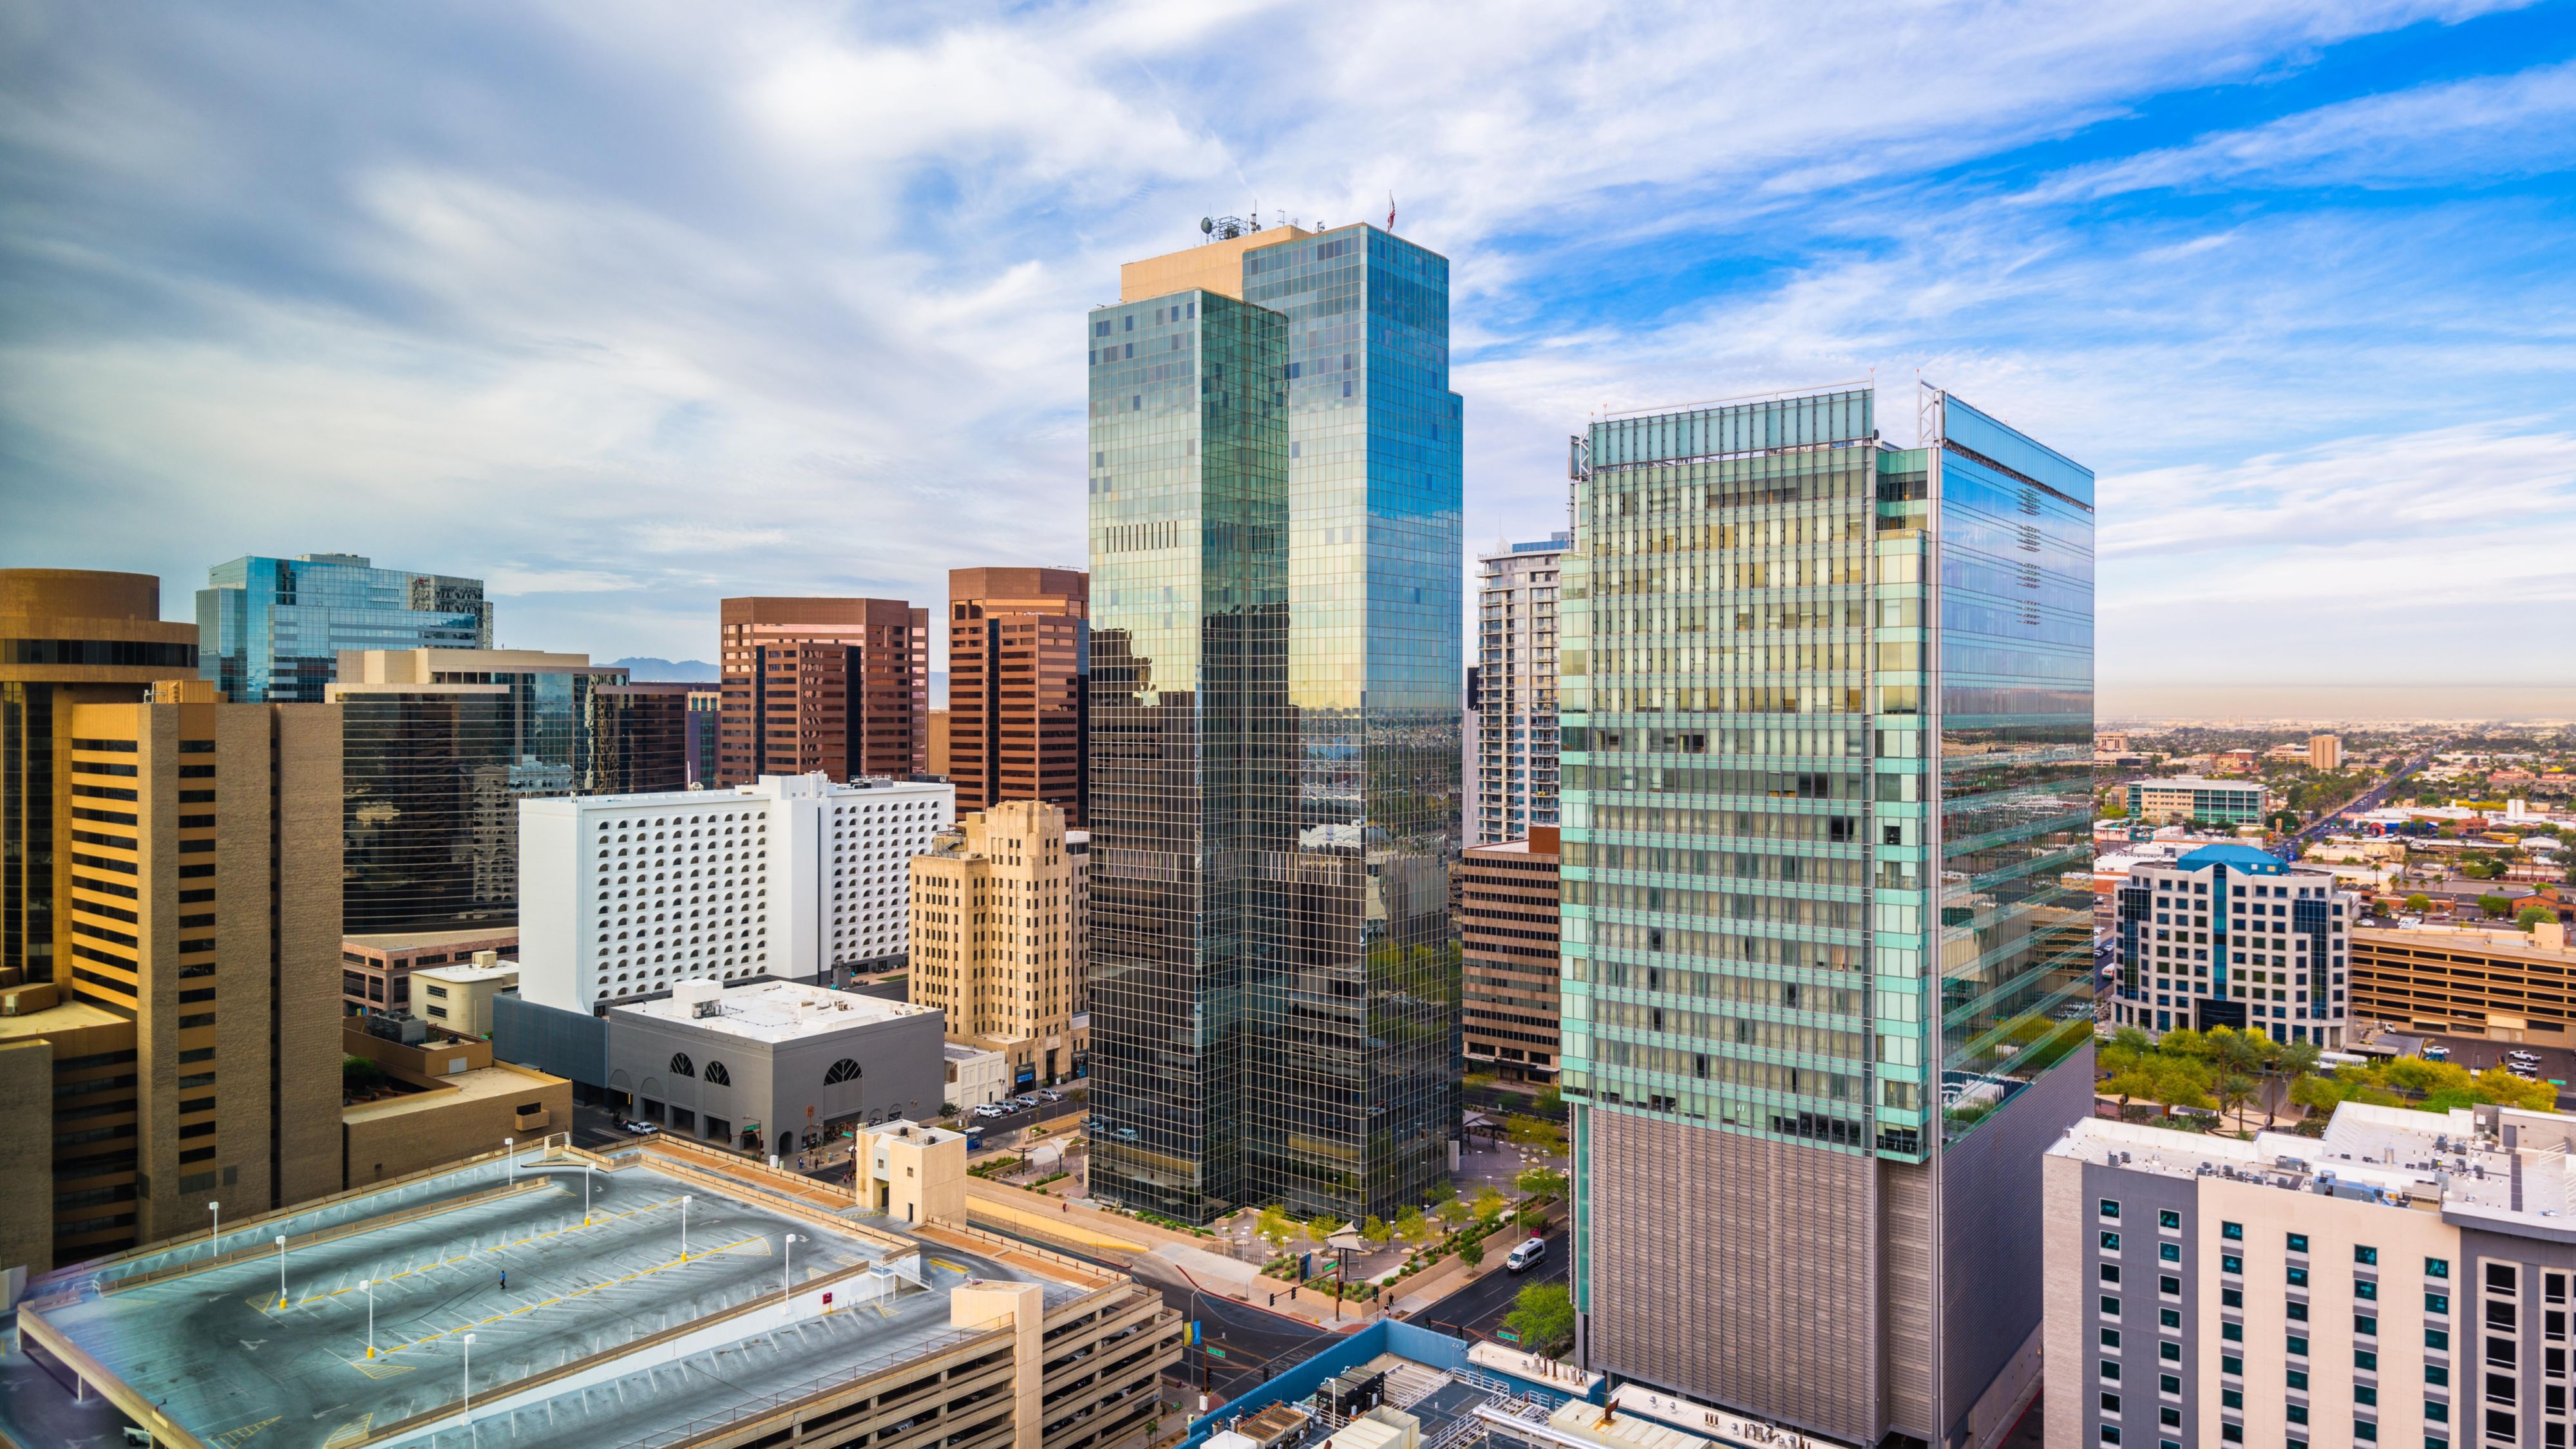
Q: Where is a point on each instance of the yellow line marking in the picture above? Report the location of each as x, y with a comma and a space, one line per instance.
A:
354, 1429
952, 1267
385, 1353
268, 1304
233, 1438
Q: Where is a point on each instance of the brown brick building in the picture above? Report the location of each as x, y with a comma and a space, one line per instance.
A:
836, 685
1507, 924
1017, 651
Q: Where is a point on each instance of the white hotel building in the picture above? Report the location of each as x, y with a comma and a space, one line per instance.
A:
620, 896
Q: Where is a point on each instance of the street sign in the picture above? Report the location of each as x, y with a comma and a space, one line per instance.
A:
1215, 1352
1506, 1335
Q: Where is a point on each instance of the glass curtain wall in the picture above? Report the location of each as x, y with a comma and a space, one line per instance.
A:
273, 629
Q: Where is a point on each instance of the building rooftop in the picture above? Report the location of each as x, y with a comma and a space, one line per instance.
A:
424, 940
958, 1051
466, 973
606, 1333
2197, 782
2501, 1168
474, 1084
769, 787
2235, 857
61, 1017
770, 1011
2504, 939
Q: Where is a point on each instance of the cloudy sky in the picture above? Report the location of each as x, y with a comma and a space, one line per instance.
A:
624, 307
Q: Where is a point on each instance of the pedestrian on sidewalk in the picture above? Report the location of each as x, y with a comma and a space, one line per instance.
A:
505, 1280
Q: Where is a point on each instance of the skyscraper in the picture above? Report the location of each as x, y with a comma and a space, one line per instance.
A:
1019, 650
1275, 774
836, 685
1516, 779
67, 636
997, 936
1827, 715
273, 628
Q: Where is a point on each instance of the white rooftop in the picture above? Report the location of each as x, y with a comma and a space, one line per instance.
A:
467, 973
772, 1011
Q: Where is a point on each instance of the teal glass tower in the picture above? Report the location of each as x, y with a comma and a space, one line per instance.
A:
1276, 574
273, 628
1827, 988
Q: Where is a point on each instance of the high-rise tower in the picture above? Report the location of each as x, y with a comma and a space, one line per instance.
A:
273, 628
1275, 760
1827, 719
1019, 644
836, 685
1515, 770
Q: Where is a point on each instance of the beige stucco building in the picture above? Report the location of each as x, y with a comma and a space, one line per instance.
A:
445, 1101
998, 936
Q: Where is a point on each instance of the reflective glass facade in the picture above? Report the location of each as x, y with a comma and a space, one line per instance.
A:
1327, 1043
1827, 711
273, 628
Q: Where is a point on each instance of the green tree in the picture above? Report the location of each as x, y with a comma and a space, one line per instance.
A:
2235, 1090
2495, 905
1490, 1202
1455, 1214
1322, 1226
1543, 1318
1275, 1227
1536, 1133
1540, 1182
2419, 903
2530, 916
1376, 1231
357, 1074
1472, 1252
1412, 1226
1550, 1102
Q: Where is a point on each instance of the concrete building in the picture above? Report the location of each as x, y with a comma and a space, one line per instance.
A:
2402, 1280
1507, 928
67, 637
186, 1038
2230, 936
1276, 458
910, 1173
1019, 665
273, 629
705, 726
2325, 752
1516, 744
1827, 728
772, 1066
976, 1077
376, 970
766, 1317
935, 761
2195, 799
2501, 984
440, 745
839, 687
794, 877
458, 998
439, 1103
997, 937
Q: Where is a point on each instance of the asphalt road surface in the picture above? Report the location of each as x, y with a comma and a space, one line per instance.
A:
1254, 1342
2369, 799
1476, 1310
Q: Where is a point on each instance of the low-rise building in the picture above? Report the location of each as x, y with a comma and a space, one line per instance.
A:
1507, 928
2325, 752
2189, 798
376, 969
2402, 1280
772, 1066
437, 1103
2501, 984
911, 1173
2230, 936
459, 998
977, 1076
794, 877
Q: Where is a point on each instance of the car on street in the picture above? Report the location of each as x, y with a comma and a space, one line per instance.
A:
2436, 1052
639, 1129
1528, 1255
991, 1109
1025, 1103
1050, 1095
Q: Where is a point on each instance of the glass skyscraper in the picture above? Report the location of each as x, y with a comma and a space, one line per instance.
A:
1827, 728
273, 628
1276, 550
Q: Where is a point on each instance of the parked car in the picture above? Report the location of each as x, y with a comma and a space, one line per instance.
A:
639, 1129
991, 1109
1050, 1095
1025, 1103
2436, 1052
1528, 1255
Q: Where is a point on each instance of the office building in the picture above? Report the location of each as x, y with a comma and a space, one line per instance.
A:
705, 726
1471, 747
188, 1031
376, 970
1516, 779
2402, 1280
2500, 984
436, 1102
840, 686
1817, 1033
935, 762
441, 745
1019, 654
1507, 930
2325, 752
275, 628
2193, 800
785, 1322
997, 936
67, 637
1275, 544
795, 877
772, 1066
638, 738
2230, 936
976, 1077
458, 999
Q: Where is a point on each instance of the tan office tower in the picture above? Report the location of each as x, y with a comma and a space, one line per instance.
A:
2325, 752
836, 685
997, 941
66, 636
192, 1031
1507, 928
1018, 653
935, 754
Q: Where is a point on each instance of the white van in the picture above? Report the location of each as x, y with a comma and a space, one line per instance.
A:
1528, 1255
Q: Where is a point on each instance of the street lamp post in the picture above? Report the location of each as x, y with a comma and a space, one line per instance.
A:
370, 1285
215, 1240
684, 1227
469, 1380
510, 1160
585, 1194
786, 1269
281, 1270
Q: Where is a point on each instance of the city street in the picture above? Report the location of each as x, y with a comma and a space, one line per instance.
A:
1477, 1310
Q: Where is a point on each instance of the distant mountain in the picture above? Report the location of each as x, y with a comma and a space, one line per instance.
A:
667, 671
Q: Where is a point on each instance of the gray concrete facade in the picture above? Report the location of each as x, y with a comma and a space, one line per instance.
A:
699, 1080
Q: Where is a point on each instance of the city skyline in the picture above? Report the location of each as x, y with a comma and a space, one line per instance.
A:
2152, 233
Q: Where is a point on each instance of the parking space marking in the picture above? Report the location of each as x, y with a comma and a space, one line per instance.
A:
384, 1354
268, 1303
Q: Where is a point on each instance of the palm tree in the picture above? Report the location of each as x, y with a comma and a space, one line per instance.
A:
2234, 1090
2297, 1060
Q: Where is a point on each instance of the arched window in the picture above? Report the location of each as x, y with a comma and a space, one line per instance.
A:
843, 1070
717, 1076
680, 1064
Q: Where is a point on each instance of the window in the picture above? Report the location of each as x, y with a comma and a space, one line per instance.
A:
2110, 1370
2363, 1358
717, 1076
2437, 1267
2298, 1242
2233, 1232
2169, 1317
2362, 1253
2169, 1218
2231, 1364
2110, 1242
2110, 1208
844, 1070
2169, 1286
682, 1066
2503, 1277
2436, 1374
2365, 1325
2365, 1288
2110, 1338
2169, 1352
2110, 1306
2110, 1272
2231, 1263
2298, 1277
2438, 1338
2169, 1252
2298, 1378
2298, 1346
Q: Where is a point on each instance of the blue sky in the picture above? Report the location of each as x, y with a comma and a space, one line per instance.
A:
628, 307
